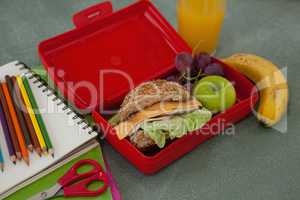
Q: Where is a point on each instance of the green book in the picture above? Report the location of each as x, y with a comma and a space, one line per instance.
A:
50, 179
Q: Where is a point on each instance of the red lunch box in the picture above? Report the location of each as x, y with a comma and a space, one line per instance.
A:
96, 64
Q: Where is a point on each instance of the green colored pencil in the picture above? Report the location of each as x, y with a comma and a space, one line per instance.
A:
38, 116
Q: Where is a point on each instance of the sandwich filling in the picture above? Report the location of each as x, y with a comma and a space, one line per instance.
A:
176, 126
163, 121
156, 112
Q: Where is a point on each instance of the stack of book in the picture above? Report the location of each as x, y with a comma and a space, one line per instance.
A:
70, 135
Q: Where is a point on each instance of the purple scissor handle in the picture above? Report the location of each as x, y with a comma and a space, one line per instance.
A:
74, 184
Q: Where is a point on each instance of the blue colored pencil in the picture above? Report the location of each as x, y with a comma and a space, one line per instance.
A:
1, 161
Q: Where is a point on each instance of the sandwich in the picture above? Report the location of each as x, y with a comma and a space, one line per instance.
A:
156, 112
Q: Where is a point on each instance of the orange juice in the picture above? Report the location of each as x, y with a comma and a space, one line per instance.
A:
200, 23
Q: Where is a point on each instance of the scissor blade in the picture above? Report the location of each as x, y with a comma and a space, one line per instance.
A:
47, 194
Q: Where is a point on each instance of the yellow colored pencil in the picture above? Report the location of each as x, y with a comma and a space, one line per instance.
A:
32, 115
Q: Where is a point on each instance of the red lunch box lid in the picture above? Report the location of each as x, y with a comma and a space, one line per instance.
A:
110, 52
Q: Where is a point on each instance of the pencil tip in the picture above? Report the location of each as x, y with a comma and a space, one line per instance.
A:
45, 152
27, 161
30, 148
51, 152
19, 156
39, 152
13, 159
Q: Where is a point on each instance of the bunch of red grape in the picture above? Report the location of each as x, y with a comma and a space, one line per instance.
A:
191, 69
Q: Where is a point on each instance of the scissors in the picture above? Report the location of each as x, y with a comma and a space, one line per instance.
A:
74, 184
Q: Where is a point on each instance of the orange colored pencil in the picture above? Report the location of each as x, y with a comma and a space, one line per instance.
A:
16, 124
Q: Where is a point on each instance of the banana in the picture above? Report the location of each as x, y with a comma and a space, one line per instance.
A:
270, 81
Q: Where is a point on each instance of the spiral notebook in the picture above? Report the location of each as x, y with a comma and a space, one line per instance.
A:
67, 131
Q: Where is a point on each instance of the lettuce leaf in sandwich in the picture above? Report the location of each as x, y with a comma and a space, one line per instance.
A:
176, 126
156, 112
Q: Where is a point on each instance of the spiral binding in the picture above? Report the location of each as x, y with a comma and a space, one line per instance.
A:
82, 123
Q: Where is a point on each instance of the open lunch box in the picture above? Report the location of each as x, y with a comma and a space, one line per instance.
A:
138, 42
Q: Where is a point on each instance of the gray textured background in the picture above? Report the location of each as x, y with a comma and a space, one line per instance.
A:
257, 163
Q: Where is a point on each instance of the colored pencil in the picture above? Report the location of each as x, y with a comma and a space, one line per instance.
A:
32, 115
38, 116
17, 127
10, 125
1, 161
25, 113
20, 116
9, 144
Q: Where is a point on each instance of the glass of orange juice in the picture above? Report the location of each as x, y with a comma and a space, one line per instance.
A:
200, 23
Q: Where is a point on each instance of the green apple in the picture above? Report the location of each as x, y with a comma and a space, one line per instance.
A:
215, 93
